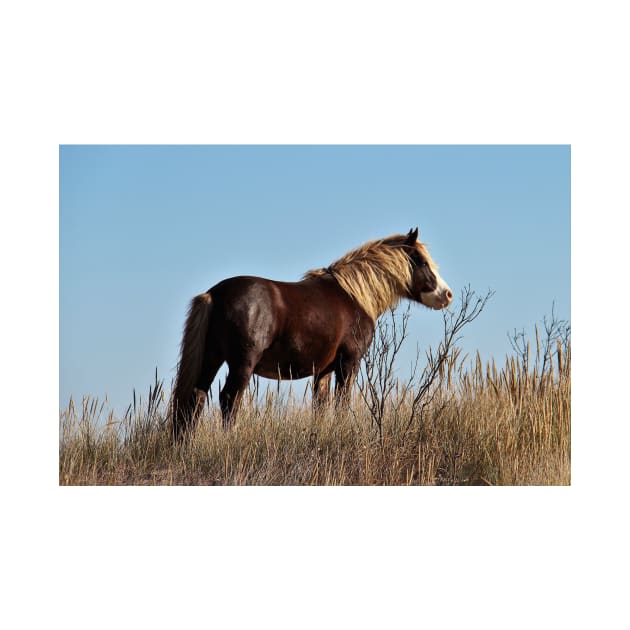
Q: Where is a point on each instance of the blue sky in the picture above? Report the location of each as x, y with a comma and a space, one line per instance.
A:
145, 228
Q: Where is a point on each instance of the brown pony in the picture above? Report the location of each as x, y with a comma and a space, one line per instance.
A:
290, 330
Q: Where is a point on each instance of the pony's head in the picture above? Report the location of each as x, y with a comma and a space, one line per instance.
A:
426, 285
378, 274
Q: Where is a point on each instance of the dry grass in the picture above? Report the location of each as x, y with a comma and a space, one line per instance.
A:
481, 425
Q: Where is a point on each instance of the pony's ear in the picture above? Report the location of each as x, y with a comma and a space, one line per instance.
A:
412, 237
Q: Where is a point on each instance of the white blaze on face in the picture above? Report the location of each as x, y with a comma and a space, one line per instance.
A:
441, 297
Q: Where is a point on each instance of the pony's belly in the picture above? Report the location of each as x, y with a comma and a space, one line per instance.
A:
292, 368
281, 373
286, 371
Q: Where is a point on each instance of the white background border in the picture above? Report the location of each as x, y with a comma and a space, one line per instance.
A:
340, 72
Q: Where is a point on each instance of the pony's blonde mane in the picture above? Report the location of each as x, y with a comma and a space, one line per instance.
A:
377, 275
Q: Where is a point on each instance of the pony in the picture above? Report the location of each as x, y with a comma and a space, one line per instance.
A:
318, 326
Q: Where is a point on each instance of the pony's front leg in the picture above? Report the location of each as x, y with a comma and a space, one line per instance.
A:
345, 375
321, 390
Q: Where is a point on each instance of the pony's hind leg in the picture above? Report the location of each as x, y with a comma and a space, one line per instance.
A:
210, 367
232, 392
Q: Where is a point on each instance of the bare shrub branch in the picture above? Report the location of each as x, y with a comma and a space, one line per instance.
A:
554, 340
376, 379
447, 353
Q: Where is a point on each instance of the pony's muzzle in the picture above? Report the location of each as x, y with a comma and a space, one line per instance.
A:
437, 300
446, 298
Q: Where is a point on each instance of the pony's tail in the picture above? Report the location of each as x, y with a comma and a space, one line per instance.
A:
190, 362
